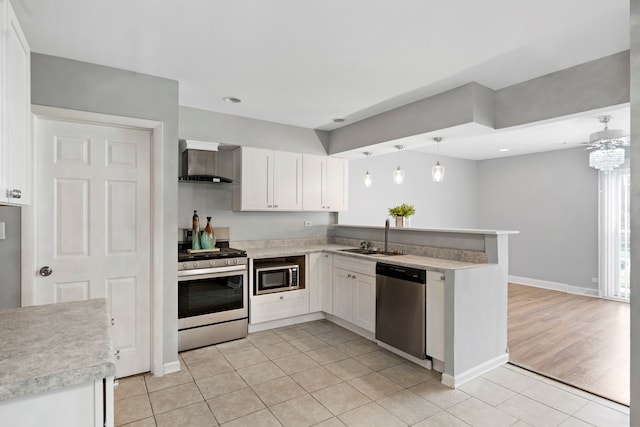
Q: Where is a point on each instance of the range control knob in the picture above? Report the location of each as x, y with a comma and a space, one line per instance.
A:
185, 265
195, 265
212, 263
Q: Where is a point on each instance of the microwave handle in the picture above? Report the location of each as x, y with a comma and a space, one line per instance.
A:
290, 277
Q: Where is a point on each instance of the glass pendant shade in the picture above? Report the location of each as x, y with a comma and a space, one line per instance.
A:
606, 159
368, 179
437, 172
398, 176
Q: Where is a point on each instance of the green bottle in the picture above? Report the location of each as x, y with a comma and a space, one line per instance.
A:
195, 232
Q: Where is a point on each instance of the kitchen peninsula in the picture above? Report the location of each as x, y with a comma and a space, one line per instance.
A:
57, 365
470, 300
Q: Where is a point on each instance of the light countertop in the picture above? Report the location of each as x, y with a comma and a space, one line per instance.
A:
48, 347
415, 261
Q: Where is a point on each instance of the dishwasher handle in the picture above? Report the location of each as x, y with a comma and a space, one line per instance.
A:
409, 274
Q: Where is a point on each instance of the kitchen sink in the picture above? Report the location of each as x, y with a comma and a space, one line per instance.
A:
370, 252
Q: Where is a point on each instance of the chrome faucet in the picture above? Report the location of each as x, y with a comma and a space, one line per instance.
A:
386, 235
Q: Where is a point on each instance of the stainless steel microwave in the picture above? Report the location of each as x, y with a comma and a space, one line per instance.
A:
276, 277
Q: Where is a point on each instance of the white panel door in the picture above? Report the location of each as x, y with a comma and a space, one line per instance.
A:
92, 215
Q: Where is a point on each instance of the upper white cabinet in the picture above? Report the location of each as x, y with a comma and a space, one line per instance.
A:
325, 183
15, 110
269, 180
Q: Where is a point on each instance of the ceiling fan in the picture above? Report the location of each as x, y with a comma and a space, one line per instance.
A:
607, 145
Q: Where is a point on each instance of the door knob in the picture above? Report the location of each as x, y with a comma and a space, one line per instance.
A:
46, 271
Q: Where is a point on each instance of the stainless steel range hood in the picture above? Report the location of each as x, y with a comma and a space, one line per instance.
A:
205, 162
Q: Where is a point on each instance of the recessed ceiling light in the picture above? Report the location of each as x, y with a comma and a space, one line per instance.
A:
503, 150
232, 100
338, 120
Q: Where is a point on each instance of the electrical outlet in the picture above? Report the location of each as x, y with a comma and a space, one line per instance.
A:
2, 235
307, 223
595, 280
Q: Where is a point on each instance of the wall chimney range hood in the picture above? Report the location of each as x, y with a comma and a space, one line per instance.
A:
203, 162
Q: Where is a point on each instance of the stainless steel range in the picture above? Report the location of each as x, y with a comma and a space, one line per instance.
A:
213, 304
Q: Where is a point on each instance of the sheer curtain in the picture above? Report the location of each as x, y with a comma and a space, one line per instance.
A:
613, 233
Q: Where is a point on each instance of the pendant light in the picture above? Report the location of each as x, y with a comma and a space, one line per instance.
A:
368, 179
398, 174
437, 171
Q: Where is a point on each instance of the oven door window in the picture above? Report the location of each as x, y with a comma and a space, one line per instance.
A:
210, 295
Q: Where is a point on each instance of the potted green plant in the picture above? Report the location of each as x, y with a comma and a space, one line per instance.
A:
402, 213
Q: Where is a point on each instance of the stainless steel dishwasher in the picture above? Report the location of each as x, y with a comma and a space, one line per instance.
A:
400, 308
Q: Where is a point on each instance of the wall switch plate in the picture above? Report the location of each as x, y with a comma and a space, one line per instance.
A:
2, 235
307, 223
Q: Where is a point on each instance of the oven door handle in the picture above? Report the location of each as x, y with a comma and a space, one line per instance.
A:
212, 270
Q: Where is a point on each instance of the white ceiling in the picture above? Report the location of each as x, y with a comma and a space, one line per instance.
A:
304, 63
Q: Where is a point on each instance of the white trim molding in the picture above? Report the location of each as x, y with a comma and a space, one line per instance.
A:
554, 286
466, 376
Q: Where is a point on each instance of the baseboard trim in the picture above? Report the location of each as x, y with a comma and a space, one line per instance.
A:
171, 367
288, 321
554, 286
466, 376
425, 363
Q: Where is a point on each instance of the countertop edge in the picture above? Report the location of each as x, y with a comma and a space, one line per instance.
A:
436, 230
57, 381
436, 264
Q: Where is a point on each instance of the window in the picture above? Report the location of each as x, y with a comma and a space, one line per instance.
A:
614, 234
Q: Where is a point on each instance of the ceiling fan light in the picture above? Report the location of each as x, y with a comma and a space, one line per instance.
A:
437, 172
606, 159
398, 176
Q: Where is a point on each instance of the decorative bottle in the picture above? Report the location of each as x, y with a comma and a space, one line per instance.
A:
208, 239
195, 232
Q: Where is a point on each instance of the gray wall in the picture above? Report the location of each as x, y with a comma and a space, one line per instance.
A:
635, 212
64, 83
10, 258
203, 125
452, 203
552, 199
214, 200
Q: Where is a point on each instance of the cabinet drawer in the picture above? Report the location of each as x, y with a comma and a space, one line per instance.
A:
264, 308
354, 264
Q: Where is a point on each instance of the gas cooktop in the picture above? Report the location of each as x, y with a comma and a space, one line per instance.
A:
184, 255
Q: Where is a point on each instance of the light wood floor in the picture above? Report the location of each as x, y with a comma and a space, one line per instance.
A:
579, 340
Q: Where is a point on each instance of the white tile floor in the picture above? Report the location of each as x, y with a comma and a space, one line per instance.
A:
320, 374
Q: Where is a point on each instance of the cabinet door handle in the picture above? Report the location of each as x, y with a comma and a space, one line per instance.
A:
353, 277
349, 276
14, 194
275, 206
281, 297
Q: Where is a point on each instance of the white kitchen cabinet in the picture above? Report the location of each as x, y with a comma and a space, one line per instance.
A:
15, 110
435, 315
325, 183
320, 283
269, 180
279, 305
84, 405
354, 291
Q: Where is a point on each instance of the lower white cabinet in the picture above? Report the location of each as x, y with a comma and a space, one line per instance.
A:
435, 315
320, 283
279, 305
354, 291
83, 405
